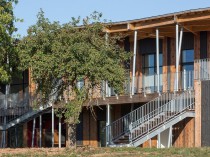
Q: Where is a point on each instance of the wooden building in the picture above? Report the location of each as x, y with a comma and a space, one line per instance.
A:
167, 98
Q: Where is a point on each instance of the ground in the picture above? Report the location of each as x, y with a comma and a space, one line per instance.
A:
106, 152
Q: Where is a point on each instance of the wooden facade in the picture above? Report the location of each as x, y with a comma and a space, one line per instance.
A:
190, 132
196, 37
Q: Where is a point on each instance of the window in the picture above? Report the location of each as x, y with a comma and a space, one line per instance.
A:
149, 64
80, 83
187, 67
188, 60
149, 70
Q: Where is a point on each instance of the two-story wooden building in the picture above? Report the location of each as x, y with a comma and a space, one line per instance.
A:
166, 101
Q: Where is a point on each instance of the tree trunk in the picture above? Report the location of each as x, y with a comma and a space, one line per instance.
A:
70, 135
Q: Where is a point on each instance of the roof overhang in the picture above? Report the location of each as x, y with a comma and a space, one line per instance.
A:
191, 20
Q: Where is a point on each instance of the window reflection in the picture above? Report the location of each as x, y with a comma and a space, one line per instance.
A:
150, 69
188, 60
149, 64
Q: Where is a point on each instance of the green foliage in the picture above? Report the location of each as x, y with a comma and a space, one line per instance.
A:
62, 55
8, 53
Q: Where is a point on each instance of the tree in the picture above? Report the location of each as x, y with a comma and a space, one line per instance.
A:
62, 55
8, 53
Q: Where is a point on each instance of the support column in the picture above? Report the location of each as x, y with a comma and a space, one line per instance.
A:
33, 132
134, 61
157, 60
40, 131
16, 137
108, 90
6, 106
59, 130
178, 53
177, 56
165, 138
158, 142
108, 121
180, 44
52, 126
170, 137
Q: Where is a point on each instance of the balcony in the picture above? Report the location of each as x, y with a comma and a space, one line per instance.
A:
147, 84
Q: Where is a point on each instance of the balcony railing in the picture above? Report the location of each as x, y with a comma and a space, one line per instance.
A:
202, 69
14, 99
149, 83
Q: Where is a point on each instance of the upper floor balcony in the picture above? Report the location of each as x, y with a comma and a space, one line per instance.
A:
144, 85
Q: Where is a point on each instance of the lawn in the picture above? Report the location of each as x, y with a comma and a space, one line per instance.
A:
105, 152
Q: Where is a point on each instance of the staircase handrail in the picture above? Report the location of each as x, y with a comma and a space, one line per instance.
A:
121, 125
171, 109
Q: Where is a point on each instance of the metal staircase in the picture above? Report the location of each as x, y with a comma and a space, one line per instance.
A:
18, 115
120, 127
23, 112
151, 119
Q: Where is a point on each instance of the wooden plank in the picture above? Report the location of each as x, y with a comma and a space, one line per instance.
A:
151, 143
190, 29
197, 23
130, 26
25, 137
178, 134
86, 127
93, 130
172, 61
197, 47
154, 142
117, 112
116, 28
208, 44
90, 129
200, 28
189, 132
193, 18
126, 99
154, 24
165, 64
146, 144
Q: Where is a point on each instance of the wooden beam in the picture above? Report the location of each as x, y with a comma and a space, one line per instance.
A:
130, 26
187, 19
106, 30
197, 23
153, 25
200, 28
118, 30
190, 30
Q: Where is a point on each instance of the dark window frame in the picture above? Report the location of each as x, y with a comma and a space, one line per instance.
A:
155, 62
187, 63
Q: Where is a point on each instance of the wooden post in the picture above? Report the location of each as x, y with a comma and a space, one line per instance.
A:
165, 65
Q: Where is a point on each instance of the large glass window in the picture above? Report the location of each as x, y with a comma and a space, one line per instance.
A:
149, 70
187, 68
149, 64
188, 60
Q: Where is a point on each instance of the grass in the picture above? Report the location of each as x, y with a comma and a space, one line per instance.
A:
106, 152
